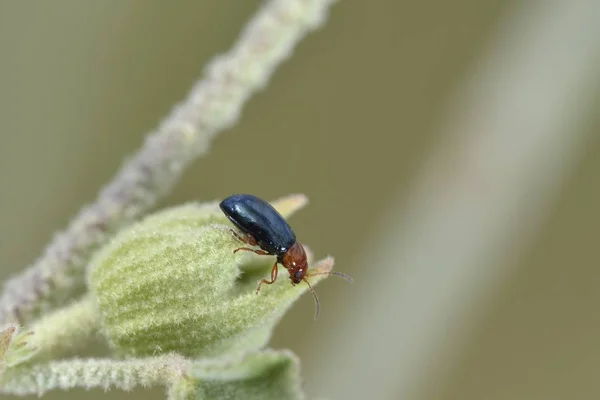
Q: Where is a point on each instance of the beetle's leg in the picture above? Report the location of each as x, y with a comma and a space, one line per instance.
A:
260, 252
273, 278
247, 238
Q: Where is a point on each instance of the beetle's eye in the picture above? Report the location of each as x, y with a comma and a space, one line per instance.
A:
299, 274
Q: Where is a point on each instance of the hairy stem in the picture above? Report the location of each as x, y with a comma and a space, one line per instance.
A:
94, 373
213, 104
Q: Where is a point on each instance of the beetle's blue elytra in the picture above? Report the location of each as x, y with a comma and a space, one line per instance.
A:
257, 217
263, 226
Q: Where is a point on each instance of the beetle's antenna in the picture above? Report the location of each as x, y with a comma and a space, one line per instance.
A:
347, 277
316, 298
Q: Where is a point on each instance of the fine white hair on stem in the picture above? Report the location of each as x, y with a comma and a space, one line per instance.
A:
95, 373
213, 105
503, 157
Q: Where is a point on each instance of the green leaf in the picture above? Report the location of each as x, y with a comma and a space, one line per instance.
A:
262, 375
15, 346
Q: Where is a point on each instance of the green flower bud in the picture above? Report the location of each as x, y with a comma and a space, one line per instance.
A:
172, 283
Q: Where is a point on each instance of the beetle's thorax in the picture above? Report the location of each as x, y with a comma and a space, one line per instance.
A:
294, 260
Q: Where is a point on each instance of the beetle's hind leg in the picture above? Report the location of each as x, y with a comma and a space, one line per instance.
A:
249, 239
246, 238
259, 252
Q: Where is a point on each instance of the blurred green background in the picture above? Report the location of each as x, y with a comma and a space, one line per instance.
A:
347, 120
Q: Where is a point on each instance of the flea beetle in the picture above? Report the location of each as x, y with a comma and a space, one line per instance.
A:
263, 226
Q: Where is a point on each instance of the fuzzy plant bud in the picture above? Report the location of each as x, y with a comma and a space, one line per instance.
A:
171, 283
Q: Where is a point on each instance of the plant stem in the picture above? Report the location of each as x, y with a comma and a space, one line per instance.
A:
94, 373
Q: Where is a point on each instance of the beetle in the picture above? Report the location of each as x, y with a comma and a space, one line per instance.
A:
261, 225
